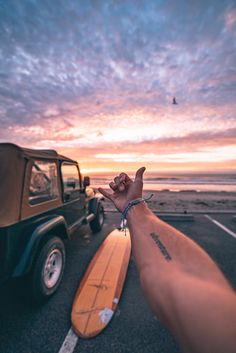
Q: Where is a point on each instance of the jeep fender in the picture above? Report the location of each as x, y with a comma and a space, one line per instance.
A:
55, 224
93, 205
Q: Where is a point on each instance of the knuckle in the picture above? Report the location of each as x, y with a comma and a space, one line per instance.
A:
117, 180
112, 185
122, 177
121, 187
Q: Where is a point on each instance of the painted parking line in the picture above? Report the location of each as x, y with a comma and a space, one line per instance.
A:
227, 230
69, 343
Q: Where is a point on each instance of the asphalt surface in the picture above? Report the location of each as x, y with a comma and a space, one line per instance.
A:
27, 329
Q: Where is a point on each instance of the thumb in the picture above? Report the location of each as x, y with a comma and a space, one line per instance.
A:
139, 174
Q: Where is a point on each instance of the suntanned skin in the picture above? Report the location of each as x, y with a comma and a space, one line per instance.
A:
183, 286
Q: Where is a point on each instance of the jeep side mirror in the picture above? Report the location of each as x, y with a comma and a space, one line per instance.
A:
86, 181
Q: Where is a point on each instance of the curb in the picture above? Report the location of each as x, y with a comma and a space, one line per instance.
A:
185, 214
177, 217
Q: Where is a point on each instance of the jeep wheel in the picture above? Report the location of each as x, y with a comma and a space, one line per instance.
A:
97, 223
48, 269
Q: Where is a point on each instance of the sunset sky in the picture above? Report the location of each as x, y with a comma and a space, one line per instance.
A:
95, 81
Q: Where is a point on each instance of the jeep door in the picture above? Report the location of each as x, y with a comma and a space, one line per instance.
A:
73, 194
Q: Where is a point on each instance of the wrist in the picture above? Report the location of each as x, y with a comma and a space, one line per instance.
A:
138, 210
131, 205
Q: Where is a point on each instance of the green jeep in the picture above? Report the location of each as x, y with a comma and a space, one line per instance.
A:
43, 201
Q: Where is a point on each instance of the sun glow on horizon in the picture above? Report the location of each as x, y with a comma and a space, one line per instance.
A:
108, 104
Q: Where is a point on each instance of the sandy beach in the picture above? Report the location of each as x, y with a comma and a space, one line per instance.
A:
187, 201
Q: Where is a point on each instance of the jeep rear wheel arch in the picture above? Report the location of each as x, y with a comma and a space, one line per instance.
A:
37, 239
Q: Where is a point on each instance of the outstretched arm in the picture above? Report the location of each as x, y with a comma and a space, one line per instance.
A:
184, 287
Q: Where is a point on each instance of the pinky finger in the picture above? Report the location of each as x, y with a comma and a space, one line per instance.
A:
105, 193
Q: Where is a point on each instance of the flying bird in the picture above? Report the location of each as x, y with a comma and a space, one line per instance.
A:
174, 101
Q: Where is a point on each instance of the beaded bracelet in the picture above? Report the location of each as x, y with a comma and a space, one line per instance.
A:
128, 207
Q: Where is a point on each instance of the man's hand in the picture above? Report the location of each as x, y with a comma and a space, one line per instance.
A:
125, 189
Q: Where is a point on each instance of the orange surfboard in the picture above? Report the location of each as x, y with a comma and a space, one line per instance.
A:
100, 289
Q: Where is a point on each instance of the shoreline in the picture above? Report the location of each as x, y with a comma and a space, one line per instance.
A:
231, 189
189, 191
187, 201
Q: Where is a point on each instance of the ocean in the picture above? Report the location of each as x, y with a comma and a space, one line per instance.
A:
180, 182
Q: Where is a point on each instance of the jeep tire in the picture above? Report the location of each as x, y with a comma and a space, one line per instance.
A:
48, 269
97, 223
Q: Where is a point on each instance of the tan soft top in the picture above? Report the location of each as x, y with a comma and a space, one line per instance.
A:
32, 153
13, 160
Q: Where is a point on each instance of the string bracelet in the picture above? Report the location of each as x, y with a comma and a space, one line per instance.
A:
128, 207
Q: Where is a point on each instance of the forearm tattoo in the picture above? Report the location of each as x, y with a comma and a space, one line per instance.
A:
161, 246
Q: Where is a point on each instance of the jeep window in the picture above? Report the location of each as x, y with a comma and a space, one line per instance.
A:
71, 181
43, 182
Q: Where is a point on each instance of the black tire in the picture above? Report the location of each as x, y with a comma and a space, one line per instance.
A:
97, 223
48, 270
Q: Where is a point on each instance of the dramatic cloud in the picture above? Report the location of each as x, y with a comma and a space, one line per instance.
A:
96, 79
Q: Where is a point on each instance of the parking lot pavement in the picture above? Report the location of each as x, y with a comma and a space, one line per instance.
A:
228, 220
220, 245
134, 328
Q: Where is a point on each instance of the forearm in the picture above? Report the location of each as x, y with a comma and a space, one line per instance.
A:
183, 286
157, 243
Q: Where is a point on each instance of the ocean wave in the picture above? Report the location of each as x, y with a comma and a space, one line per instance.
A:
213, 182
